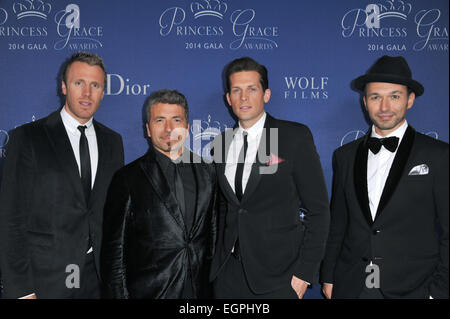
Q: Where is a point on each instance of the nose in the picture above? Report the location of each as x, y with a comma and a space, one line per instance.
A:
384, 105
86, 90
244, 96
169, 126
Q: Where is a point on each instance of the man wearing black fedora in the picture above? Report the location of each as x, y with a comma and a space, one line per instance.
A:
389, 208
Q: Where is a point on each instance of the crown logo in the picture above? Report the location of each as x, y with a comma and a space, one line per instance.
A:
32, 8
214, 8
206, 129
394, 9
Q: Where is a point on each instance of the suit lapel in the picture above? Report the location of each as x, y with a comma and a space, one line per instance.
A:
203, 195
161, 187
60, 142
224, 146
360, 178
397, 169
102, 160
263, 147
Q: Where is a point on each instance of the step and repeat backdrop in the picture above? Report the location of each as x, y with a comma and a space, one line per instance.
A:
312, 49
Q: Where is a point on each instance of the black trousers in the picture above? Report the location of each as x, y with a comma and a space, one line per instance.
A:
231, 283
371, 293
89, 281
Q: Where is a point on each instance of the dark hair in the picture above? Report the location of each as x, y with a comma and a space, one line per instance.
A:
169, 97
89, 58
247, 64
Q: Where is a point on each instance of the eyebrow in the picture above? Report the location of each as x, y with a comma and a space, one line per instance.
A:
245, 86
164, 117
392, 92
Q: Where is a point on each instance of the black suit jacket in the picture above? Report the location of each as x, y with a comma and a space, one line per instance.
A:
147, 250
44, 219
274, 242
408, 240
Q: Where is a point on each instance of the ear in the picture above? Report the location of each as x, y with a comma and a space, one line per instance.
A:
365, 102
148, 130
228, 99
267, 93
411, 99
187, 130
63, 88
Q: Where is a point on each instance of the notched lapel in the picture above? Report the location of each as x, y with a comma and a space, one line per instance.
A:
102, 156
258, 166
63, 151
203, 195
398, 166
224, 146
161, 187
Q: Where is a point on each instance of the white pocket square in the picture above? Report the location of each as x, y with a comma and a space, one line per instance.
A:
419, 170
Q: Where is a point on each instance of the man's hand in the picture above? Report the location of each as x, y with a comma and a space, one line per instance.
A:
327, 290
299, 286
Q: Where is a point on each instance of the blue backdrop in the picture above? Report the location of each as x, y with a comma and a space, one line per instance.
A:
312, 49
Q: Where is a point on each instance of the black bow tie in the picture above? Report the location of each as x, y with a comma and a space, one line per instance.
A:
390, 143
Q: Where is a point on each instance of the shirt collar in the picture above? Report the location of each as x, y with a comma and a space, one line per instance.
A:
256, 129
164, 160
399, 132
72, 124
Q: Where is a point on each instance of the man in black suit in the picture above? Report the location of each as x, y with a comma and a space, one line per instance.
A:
160, 216
389, 222
54, 186
268, 170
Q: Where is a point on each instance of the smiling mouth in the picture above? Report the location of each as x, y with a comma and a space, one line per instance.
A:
85, 104
385, 117
245, 108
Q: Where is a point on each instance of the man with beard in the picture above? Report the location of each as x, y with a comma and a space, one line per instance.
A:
389, 209
159, 226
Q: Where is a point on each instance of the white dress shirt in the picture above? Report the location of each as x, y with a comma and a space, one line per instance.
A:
74, 134
378, 167
253, 139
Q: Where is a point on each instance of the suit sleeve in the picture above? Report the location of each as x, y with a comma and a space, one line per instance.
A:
17, 184
338, 224
439, 284
214, 212
312, 191
116, 224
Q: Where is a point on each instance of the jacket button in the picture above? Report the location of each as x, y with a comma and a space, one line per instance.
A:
376, 231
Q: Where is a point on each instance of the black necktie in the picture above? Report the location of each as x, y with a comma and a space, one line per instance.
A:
240, 168
179, 189
390, 143
85, 163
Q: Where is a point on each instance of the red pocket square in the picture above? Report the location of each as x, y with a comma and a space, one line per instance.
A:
274, 160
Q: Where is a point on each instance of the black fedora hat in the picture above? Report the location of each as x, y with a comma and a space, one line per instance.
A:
392, 70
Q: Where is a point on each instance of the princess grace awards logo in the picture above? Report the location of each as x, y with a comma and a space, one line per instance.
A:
73, 35
203, 133
28, 23
31, 8
388, 21
20, 24
205, 24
